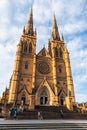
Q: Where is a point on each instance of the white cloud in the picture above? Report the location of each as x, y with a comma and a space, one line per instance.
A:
78, 56
4, 12
81, 98
41, 14
72, 28
7, 54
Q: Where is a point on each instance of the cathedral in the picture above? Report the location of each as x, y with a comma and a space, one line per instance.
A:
45, 78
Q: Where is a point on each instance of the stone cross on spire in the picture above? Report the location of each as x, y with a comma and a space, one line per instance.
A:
55, 33
29, 26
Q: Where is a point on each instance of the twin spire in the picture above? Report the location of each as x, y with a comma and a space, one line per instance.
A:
55, 32
29, 28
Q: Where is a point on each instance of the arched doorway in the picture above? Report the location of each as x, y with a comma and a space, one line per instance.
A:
43, 100
62, 100
44, 96
23, 99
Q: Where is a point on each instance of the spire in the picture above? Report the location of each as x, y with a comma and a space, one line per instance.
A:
55, 33
62, 37
29, 26
24, 30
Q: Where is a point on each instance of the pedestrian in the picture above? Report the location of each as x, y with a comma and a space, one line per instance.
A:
15, 113
61, 113
39, 116
12, 113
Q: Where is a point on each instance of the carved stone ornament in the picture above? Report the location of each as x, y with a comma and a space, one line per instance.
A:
43, 68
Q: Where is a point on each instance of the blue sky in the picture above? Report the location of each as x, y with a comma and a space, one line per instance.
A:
72, 23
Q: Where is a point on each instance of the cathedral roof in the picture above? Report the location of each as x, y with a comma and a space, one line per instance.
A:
43, 53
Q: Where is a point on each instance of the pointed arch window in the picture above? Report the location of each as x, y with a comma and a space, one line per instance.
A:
60, 53
30, 48
56, 51
23, 99
25, 48
26, 65
69, 93
60, 69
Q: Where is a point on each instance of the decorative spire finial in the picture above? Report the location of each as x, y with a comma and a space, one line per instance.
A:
24, 30
62, 37
35, 32
29, 26
55, 33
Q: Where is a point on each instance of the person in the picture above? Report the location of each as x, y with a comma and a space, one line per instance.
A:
21, 108
12, 112
15, 113
61, 113
39, 116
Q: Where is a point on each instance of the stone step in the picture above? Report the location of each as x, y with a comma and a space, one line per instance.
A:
50, 112
46, 126
51, 115
51, 108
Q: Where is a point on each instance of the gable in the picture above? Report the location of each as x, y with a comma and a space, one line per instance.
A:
43, 53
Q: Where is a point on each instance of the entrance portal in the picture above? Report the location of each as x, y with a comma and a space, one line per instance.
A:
61, 100
43, 100
23, 99
44, 96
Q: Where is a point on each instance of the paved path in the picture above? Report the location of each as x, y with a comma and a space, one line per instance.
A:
43, 124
